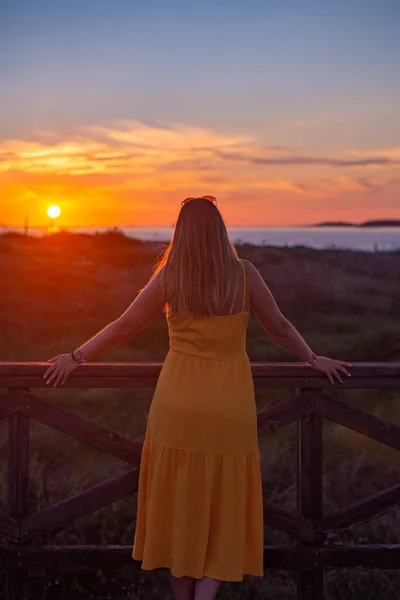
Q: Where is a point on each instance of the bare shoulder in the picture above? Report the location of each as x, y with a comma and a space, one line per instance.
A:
248, 265
252, 273
245, 262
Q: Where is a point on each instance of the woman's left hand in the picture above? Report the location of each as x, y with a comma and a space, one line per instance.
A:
61, 366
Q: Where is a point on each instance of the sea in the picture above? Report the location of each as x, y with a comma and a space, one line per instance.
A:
365, 239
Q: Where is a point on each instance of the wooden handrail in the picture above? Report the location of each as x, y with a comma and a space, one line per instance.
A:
144, 375
311, 403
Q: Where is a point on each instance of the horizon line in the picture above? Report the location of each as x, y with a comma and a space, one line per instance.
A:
172, 226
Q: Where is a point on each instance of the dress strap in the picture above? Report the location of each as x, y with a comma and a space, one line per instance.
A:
234, 296
244, 286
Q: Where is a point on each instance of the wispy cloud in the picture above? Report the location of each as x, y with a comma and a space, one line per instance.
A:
133, 147
130, 162
390, 153
166, 136
306, 160
375, 186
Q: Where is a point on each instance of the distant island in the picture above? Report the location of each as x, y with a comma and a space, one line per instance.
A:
381, 223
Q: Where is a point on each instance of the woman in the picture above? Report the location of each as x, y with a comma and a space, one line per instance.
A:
200, 510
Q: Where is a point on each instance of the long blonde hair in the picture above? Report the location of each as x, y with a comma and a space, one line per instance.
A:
200, 267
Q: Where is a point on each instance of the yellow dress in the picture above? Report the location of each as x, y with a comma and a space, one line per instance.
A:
200, 508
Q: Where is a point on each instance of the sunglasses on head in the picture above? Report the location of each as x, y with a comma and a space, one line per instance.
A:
209, 198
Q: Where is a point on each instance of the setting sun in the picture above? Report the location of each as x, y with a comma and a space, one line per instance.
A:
54, 211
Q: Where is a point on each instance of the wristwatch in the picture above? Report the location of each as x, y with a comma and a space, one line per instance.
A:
314, 358
78, 356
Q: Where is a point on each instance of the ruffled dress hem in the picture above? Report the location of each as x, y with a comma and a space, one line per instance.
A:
198, 576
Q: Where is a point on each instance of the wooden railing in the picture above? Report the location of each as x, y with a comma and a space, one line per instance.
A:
313, 401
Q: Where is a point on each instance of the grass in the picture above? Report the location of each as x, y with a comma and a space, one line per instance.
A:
58, 291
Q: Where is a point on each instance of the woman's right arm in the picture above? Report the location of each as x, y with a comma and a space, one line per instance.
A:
146, 307
281, 330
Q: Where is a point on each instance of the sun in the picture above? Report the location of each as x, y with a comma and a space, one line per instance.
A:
54, 211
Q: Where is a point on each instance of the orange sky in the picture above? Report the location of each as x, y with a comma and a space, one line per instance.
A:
132, 173
118, 110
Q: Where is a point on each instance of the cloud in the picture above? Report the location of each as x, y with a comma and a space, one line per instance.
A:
391, 153
130, 147
375, 186
134, 149
305, 160
132, 162
166, 136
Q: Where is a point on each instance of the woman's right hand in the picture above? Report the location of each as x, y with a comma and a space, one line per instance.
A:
331, 367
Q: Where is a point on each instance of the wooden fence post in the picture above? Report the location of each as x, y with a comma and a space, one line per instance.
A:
17, 580
309, 493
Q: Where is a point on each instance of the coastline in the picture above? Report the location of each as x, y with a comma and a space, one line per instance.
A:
364, 239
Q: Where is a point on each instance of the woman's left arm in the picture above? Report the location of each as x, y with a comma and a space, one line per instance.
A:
146, 307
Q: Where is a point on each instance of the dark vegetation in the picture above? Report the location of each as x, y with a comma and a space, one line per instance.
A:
58, 291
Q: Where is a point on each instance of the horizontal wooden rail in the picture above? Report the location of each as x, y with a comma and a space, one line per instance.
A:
145, 375
311, 403
82, 557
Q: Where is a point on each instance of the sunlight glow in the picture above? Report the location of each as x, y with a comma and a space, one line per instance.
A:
54, 211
